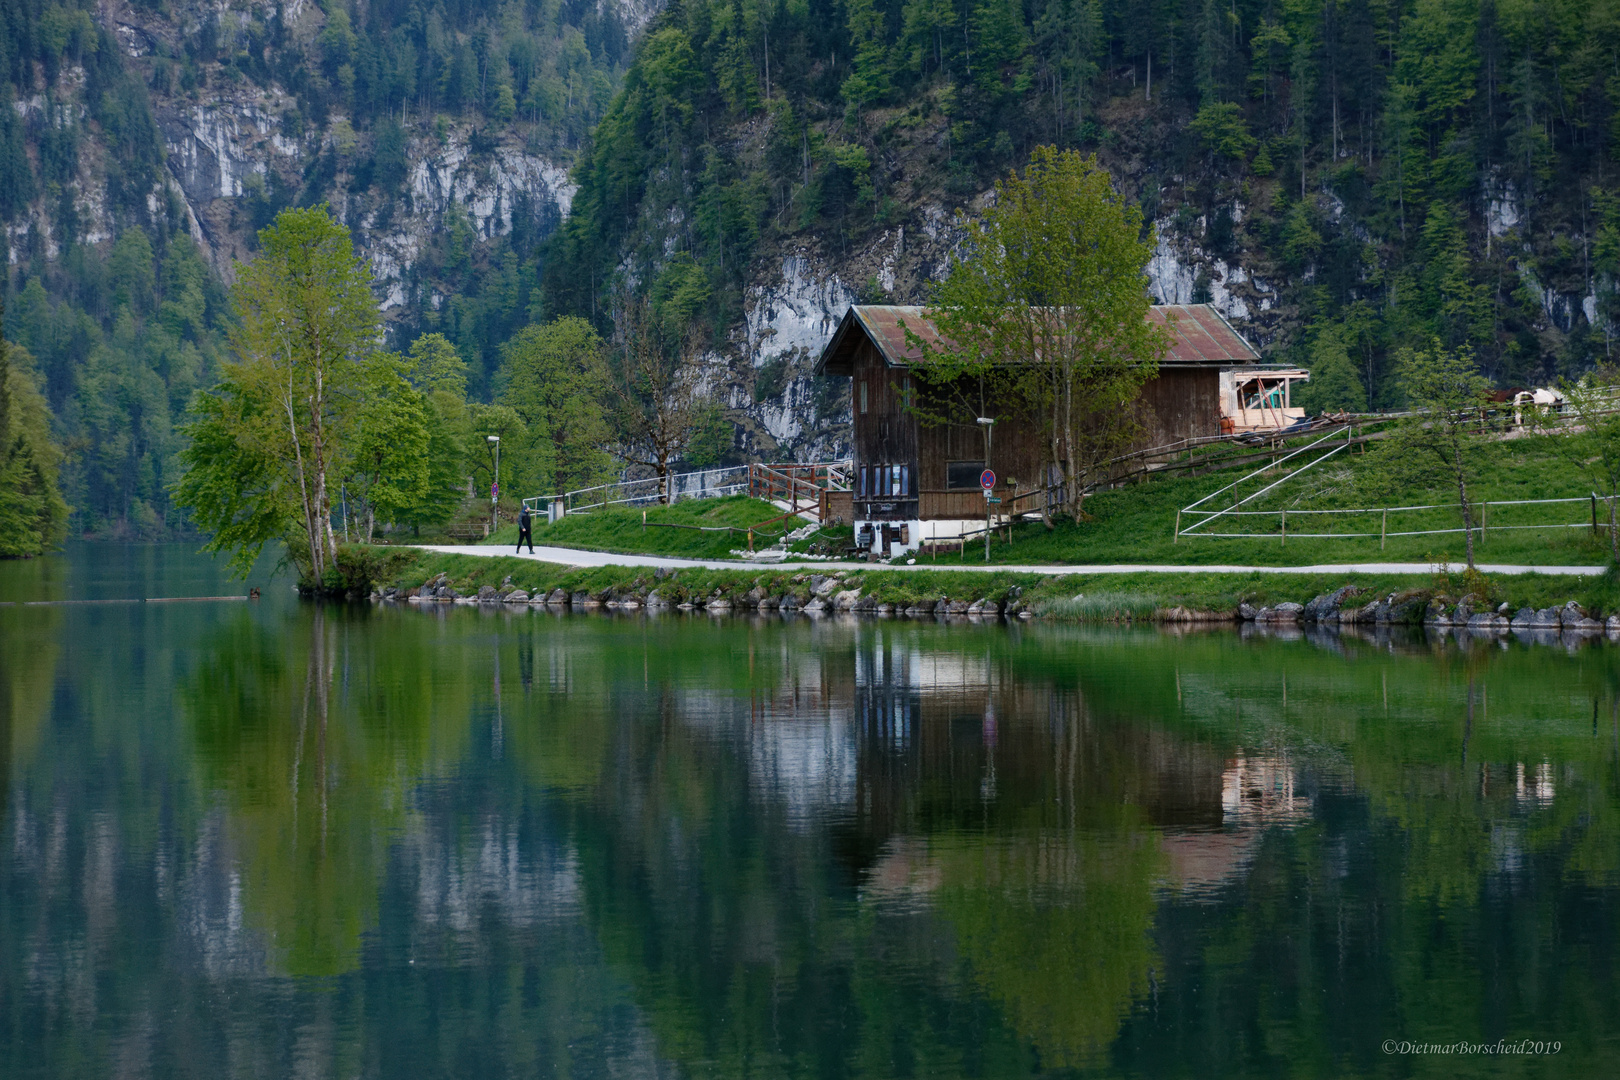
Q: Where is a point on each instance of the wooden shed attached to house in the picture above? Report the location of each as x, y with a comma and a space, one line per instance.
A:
918, 483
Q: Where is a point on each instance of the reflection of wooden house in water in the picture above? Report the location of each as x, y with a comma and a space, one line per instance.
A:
895, 741
1256, 793
1260, 398
919, 482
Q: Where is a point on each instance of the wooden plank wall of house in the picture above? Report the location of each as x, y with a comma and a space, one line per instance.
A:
1180, 403
884, 430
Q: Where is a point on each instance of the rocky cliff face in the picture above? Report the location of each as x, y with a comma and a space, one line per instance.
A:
242, 141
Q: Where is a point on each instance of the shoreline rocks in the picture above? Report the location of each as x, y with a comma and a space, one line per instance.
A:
817, 594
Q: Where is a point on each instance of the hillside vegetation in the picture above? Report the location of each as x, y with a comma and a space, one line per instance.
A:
1345, 178
106, 288
1360, 175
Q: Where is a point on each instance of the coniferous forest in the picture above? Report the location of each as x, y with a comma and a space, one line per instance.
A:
1383, 175
1401, 172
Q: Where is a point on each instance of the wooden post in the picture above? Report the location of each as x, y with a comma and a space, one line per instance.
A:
1383, 528
644, 521
1175, 536
1285, 527
750, 539
1594, 513
1484, 519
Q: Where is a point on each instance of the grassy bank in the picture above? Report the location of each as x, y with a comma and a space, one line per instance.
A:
1092, 598
1136, 524
692, 529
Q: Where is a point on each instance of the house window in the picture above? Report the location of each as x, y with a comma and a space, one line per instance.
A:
885, 482
962, 475
863, 398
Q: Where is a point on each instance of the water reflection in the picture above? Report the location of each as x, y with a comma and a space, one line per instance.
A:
515, 841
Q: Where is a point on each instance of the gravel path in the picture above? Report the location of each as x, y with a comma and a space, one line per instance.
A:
576, 557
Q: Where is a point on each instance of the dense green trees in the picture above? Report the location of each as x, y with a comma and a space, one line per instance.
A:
81, 155
314, 431
121, 343
1406, 172
1385, 174
555, 380
33, 517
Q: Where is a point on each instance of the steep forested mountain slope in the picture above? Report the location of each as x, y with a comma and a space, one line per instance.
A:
1342, 178
143, 144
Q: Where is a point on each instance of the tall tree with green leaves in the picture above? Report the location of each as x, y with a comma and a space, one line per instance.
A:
307, 328
1437, 443
389, 469
870, 79
659, 393
558, 380
1334, 385
1049, 298
33, 515
436, 370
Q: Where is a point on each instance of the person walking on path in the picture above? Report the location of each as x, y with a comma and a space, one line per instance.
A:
525, 530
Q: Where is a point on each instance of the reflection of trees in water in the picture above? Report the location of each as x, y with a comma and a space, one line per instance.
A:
28, 673
315, 735
1005, 802
721, 906
1027, 805
863, 848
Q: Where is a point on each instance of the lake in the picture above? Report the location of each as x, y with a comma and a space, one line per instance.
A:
273, 838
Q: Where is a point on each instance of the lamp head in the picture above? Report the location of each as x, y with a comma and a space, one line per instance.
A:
494, 438
987, 420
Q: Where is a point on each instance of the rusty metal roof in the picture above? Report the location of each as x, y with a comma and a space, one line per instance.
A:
1201, 337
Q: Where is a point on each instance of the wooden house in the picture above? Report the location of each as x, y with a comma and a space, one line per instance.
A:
915, 483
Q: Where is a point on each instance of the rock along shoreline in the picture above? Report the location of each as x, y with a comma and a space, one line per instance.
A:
865, 593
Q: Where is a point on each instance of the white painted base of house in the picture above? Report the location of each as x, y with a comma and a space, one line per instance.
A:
918, 533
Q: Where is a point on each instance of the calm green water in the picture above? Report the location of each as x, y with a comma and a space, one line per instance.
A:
277, 839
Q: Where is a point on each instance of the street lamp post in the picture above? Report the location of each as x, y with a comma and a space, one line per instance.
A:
988, 423
495, 486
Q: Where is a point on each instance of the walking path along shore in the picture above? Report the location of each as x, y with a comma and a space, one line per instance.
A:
580, 557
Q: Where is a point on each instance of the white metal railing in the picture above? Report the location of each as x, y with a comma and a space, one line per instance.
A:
1482, 525
1236, 503
699, 484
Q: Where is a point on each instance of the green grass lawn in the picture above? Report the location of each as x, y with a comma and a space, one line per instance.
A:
1135, 524
620, 529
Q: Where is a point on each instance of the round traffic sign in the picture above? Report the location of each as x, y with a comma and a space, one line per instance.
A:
987, 479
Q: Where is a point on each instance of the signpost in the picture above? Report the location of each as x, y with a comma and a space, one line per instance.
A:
495, 485
987, 480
